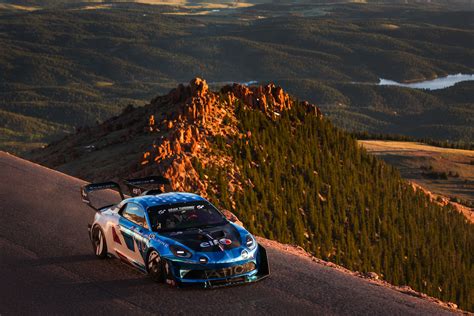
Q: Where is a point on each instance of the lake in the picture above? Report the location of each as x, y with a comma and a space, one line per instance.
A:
435, 84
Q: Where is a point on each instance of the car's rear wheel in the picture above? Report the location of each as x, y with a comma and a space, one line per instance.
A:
99, 243
155, 266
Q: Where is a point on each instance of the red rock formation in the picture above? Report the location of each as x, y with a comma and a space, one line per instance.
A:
183, 123
197, 116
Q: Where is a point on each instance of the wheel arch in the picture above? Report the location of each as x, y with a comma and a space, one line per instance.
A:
147, 254
104, 250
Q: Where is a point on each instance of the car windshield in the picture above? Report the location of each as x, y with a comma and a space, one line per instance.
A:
184, 216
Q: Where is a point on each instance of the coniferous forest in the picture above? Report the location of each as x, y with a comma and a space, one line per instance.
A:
309, 183
331, 54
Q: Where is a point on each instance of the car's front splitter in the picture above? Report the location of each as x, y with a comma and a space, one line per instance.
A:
213, 276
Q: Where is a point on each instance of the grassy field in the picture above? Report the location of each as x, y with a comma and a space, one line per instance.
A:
445, 171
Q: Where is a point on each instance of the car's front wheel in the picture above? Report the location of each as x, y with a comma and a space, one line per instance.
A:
155, 266
98, 242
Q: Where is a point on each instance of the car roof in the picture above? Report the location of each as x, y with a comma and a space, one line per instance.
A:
165, 199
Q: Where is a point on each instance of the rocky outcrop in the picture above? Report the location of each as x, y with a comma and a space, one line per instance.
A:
196, 117
441, 200
175, 134
270, 99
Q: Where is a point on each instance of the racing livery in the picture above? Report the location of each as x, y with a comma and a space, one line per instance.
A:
176, 237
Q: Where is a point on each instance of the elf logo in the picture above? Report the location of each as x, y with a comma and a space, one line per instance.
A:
215, 242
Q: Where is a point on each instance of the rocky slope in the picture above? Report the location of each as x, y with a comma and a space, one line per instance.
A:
443, 201
167, 134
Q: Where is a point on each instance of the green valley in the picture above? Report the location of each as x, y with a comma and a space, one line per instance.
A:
65, 67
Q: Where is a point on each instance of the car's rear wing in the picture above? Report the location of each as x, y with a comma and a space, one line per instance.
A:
146, 185
88, 188
139, 186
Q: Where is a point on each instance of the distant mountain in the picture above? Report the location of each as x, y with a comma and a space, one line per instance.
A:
64, 68
193, 2
288, 174
156, 2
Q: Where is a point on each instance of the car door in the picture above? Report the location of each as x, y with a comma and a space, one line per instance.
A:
134, 229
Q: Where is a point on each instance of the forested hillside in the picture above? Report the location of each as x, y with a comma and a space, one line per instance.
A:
312, 185
68, 66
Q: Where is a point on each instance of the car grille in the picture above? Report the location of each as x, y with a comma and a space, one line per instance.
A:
220, 273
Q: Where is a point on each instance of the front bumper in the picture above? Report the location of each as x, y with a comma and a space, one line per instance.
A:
218, 275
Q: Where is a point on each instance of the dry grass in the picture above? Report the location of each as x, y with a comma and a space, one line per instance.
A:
416, 161
390, 26
163, 2
183, 4
204, 12
6, 6
204, 5
375, 145
102, 84
97, 7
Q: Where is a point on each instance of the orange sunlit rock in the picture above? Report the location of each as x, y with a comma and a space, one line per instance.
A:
197, 116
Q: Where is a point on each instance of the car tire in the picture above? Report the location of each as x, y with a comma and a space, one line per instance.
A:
99, 244
154, 266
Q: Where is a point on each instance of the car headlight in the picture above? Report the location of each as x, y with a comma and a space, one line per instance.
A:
250, 242
180, 252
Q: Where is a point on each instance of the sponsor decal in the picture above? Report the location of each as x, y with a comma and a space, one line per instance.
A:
93, 187
230, 271
161, 242
216, 242
129, 241
115, 236
141, 245
180, 209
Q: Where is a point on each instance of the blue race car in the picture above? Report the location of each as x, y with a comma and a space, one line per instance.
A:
177, 238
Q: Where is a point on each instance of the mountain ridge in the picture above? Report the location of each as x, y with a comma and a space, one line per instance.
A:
183, 123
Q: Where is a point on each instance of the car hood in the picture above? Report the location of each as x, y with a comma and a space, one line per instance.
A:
218, 238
